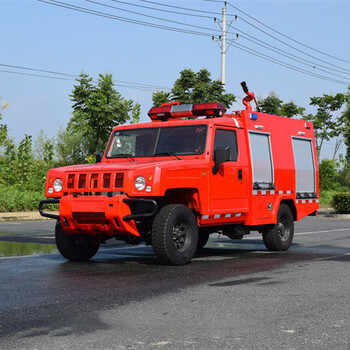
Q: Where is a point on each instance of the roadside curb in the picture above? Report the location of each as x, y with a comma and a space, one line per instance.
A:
335, 215
22, 216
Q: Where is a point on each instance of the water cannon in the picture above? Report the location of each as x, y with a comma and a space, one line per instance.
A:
250, 96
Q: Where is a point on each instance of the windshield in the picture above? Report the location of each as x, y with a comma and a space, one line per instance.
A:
150, 142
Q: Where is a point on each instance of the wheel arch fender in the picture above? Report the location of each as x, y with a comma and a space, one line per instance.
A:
291, 204
187, 196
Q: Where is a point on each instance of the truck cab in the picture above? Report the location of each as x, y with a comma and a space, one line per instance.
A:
191, 171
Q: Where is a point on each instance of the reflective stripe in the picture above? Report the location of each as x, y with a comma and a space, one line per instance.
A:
236, 122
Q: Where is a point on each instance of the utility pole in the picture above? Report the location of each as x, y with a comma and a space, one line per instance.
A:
222, 41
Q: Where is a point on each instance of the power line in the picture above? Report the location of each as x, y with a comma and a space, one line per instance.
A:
149, 16
200, 27
33, 75
276, 49
286, 54
163, 10
103, 14
287, 65
119, 18
286, 36
66, 76
183, 8
343, 70
292, 47
296, 58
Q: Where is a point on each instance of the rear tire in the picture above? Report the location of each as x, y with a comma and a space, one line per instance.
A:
175, 234
74, 247
279, 237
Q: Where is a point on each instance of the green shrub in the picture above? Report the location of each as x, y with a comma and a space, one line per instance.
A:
14, 199
327, 196
327, 174
341, 203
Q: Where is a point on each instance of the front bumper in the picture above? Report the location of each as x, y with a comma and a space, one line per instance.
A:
98, 214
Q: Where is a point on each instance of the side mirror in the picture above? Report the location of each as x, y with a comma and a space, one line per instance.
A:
221, 155
99, 157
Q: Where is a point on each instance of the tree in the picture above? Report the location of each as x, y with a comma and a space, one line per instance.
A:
71, 148
325, 125
2, 107
194, 87
3, 127
43, 148
97, 109
272, 104
345, 118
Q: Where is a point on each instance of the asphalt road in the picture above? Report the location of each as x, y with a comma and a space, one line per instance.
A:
234, 295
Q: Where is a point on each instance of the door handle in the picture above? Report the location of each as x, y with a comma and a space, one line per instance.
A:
240, 175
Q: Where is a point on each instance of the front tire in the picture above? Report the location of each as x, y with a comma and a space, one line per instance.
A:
279, 237
74, 247
175, 234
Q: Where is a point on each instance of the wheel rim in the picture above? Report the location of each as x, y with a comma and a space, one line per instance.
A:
283, 229
181, 236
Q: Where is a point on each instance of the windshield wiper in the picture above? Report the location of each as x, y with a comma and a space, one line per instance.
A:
167, 154
125, 155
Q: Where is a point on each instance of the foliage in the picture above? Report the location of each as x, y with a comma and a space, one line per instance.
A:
2, 107
341, 203
327, 174
272, 104
327, 196
345, 119
193, 87
97, 109
71, 148
325, 125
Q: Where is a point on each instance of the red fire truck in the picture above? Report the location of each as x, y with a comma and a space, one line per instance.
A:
192, 171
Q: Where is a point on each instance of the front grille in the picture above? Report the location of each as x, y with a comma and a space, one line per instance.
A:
82, 181
119, 179
70, 182
106, 180
95, 182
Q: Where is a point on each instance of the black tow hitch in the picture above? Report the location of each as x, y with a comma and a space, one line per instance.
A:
141, 216
48, 215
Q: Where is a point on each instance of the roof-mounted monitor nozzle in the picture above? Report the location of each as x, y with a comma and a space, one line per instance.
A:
250, 96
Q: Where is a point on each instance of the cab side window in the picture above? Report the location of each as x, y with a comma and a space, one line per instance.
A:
224, 138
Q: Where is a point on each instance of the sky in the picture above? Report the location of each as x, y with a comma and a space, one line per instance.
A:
142, 59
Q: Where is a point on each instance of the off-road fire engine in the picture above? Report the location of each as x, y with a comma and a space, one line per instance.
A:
192, 171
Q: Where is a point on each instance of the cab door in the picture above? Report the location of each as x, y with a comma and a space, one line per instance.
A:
229, 186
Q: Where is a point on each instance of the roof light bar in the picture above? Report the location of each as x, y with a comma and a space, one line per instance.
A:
176, 111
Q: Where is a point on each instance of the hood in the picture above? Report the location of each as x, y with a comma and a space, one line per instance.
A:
127, 165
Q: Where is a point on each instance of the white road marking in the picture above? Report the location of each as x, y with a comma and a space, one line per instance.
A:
337, 230
307, 233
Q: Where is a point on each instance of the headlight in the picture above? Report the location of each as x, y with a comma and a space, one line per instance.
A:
50, 190
140, 183
57, 185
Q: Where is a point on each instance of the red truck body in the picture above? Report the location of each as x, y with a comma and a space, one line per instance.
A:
239, 170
